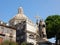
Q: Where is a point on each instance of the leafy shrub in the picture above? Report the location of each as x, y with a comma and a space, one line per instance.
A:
8, 43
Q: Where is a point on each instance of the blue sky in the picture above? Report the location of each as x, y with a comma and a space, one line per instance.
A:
44, 8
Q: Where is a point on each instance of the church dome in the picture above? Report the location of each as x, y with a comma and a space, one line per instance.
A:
20, 14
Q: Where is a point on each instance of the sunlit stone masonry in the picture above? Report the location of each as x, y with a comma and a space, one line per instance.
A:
21, 29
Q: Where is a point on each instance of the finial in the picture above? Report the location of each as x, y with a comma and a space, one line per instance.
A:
37, 19
20, 10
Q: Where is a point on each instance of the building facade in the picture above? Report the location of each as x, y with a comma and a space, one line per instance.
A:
28, 31
22, 29
7, 32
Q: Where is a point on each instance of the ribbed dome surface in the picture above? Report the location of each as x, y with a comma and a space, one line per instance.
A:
20, 16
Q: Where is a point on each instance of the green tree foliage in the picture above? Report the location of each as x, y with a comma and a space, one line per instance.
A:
24, 43
53, 26
6, 42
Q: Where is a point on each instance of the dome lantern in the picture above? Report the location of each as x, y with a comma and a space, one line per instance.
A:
20, 10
